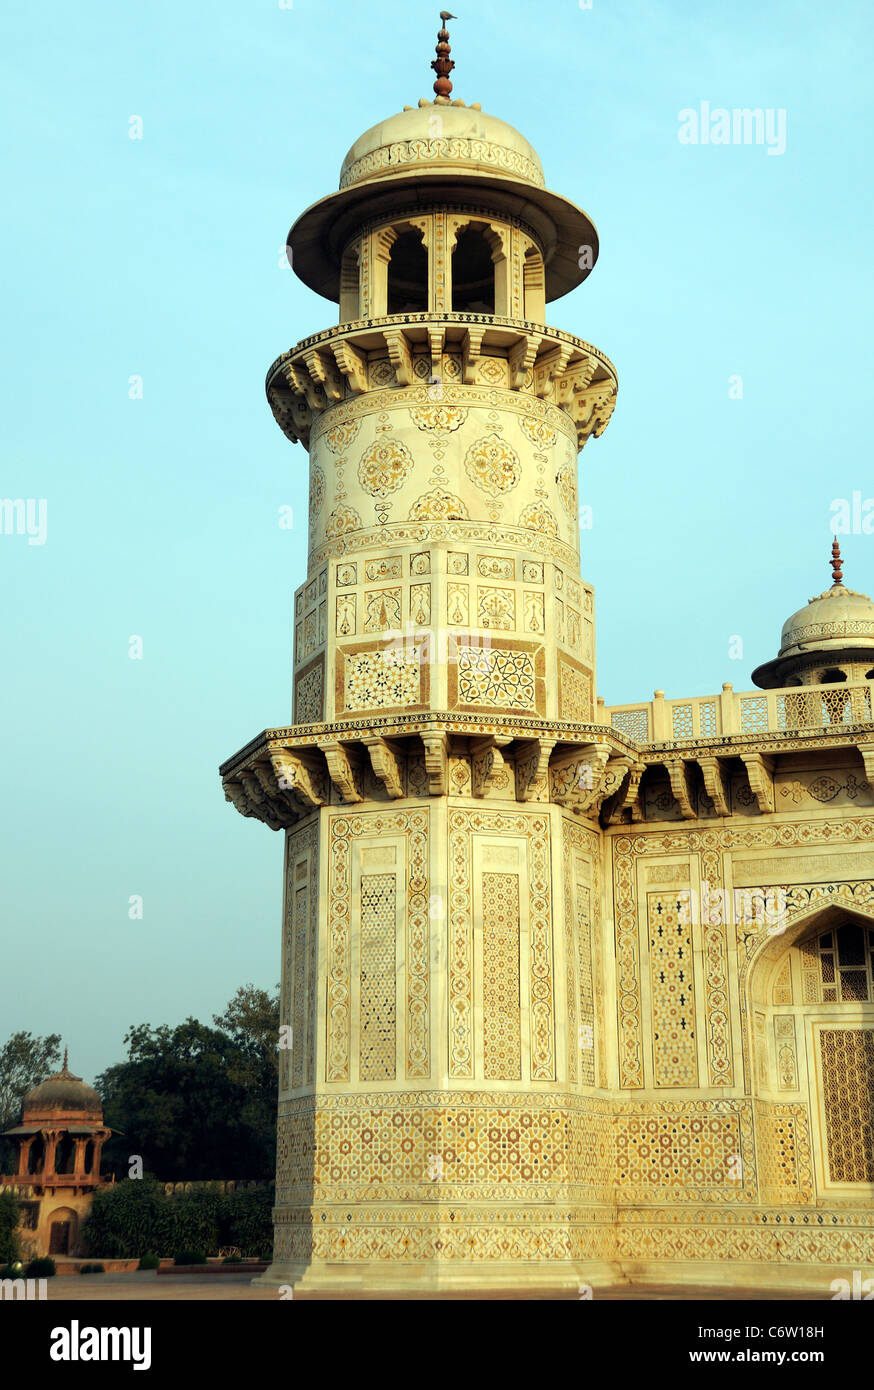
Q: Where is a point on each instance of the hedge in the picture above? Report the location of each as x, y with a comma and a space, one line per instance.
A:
136, 1216
8, 1221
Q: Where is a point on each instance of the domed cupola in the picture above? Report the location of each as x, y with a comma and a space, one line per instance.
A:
59, 1094
442, 153
831, 639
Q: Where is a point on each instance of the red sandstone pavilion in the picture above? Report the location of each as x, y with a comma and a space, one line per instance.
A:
59, 1139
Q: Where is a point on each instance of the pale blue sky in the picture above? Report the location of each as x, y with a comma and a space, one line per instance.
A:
160, 257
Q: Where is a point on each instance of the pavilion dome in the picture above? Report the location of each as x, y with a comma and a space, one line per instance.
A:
837, 618
442, 137
61, 1092
833, 628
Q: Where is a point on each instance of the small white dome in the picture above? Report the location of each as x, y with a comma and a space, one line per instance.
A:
837, 618
444, 136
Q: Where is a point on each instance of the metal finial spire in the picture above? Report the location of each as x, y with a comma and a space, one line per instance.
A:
443, 64
837, 572
65, 1059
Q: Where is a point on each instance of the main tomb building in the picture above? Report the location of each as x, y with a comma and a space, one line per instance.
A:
575, 994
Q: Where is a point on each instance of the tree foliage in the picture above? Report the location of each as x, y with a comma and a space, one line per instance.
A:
8, 1221
198, 1103
25, 1061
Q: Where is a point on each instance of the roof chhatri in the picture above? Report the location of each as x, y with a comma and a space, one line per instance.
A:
443, 64
62, 1091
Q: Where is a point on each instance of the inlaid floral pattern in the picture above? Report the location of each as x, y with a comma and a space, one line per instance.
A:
492, 465
384, 466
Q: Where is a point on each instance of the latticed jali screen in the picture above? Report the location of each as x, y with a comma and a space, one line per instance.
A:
847, 1058
837, 967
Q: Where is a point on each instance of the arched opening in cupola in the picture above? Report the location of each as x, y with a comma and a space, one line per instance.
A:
350, 285
473, 273
36, 1155
408, 274
64, 1155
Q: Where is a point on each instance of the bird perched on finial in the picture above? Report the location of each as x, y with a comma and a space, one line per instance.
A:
443, 64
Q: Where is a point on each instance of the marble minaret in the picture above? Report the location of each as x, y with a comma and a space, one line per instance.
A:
442, 1031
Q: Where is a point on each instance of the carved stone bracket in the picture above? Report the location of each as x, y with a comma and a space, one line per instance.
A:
550, 366
630, 796
522, 359
760, 771
300, 380
303, 777
577, 782
248, 792
353, 365
681, 786
344, 770
436, 337
470, 349
716, 783
578, 379
487, 763
387, 764
532, 769
613, 781
400, 356
867, 752
235, 793
591, 410
437, 762
323, 372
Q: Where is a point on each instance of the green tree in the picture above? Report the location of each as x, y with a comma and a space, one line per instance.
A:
198, 1103
8, 1221
25, 1061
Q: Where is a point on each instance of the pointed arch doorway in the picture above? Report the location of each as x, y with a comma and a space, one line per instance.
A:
812, 995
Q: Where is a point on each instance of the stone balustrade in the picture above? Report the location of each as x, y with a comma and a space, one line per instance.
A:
659, 720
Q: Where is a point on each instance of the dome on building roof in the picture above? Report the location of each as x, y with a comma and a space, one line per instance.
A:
834, 627
837, 618
62, 1091
449, 138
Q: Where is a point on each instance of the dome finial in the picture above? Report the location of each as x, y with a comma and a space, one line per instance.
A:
443, 64
65, 1059
837, 572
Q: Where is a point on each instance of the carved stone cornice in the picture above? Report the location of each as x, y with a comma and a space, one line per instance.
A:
279, 779
766, 741
286, 773
332, 366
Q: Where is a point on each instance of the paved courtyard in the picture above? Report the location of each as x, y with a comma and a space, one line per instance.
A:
137, 1287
